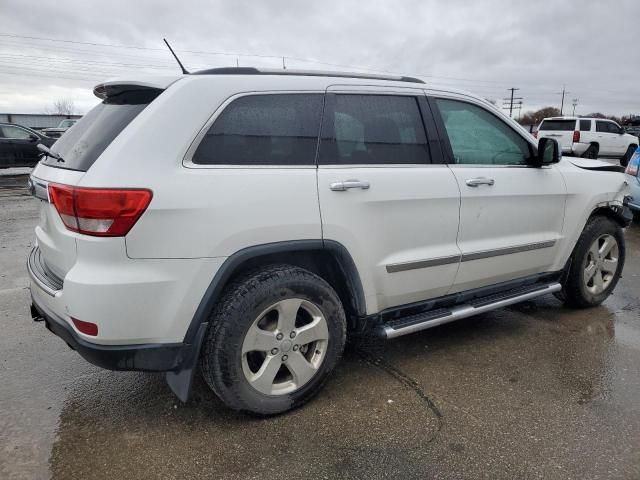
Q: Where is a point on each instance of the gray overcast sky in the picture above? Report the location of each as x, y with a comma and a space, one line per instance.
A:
484, 47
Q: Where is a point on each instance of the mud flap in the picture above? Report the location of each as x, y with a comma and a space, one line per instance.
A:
180, 382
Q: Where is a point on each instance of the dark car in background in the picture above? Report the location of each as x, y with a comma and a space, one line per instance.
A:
19, 145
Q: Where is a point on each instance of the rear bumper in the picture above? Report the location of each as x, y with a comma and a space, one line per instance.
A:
144, 357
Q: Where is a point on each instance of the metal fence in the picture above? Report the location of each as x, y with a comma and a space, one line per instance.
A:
35, 120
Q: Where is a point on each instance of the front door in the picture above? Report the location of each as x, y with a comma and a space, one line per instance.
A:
7, 154
511, 214
24, 146
386, 196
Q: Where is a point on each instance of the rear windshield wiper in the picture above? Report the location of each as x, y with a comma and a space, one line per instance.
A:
47, 151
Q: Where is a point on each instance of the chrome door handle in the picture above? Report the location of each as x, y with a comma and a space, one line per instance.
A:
347, 184
474, 182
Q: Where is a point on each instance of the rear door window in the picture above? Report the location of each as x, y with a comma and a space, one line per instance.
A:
373, 130
558, 125
274, 129
585, 125
81, 146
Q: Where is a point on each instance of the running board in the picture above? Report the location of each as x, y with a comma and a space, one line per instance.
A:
433, 318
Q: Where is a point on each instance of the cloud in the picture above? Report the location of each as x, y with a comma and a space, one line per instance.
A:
484, 47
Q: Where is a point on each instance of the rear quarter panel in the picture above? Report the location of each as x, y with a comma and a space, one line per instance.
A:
203, 212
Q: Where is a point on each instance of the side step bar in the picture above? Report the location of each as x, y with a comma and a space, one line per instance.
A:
433, 318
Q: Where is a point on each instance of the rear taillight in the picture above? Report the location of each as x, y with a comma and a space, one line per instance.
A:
576, 136
535, 134
101, 212
632, 169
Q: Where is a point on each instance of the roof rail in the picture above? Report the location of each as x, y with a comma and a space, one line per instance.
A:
303, 73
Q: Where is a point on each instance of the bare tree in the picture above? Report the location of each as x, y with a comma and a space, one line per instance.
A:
61, 106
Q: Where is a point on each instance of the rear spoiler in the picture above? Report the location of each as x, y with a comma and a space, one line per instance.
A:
115, 87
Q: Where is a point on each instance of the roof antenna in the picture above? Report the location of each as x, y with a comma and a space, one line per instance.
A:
184, 70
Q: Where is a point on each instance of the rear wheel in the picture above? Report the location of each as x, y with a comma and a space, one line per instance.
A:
596, 266
274, 338
624, 161
591, 152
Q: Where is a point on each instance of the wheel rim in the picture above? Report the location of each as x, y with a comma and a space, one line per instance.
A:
602, 264
285, 346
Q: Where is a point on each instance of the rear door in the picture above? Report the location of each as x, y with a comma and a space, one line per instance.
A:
560, 130
385, 194
611, 142
511, 214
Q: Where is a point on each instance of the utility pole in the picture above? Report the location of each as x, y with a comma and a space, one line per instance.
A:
511, 101
564, 92
574, 103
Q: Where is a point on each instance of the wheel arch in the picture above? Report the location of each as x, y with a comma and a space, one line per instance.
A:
619, 214
326, 258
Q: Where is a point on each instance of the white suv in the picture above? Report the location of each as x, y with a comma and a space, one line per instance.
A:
589, 137
248, 222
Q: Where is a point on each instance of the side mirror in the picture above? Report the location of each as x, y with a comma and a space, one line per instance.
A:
621, 131
548, 152
33, 138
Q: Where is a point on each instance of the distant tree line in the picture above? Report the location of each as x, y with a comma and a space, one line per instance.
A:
534, 118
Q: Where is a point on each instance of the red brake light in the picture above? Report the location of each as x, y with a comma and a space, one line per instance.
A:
101, 212
87, 328
535, 134
576, 136
632, 169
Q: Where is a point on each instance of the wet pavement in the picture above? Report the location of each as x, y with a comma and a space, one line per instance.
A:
532, 391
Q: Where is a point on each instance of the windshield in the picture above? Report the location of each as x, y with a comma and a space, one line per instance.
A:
81, 146
66, 123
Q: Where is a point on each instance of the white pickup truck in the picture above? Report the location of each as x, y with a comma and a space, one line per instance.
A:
589, 137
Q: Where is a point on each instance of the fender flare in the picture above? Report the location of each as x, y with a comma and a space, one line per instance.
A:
235, 261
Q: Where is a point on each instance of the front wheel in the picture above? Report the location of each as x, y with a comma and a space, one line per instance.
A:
273, 339
596, 266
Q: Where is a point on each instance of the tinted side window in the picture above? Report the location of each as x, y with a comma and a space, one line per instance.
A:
264, 130
585, 125
373, 130
606, 127
479, 137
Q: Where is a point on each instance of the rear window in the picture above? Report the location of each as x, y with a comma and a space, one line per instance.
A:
81, 146
558, 125
585, 125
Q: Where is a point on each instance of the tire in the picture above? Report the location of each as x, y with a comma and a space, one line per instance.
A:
591, 152
582, 288
250, 358
624, 161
